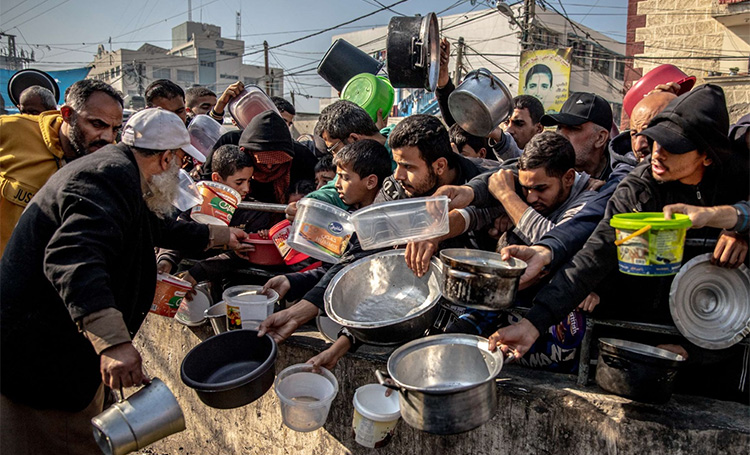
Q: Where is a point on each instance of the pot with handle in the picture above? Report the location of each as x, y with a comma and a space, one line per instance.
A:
480, 103
446, 383
413, 49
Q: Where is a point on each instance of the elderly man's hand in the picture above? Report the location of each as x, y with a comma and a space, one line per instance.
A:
502, 183
536, 258
460, 196
121, 366
730, 251
231, 91
418, 255
515, 339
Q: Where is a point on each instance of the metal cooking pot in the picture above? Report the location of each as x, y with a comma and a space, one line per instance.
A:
413, 50
480, 103
480, 279
446, 382
231, 369
380, 300
637, 371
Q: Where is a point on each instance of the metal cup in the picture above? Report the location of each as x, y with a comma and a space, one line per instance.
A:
147, 416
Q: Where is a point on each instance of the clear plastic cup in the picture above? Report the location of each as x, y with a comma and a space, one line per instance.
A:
187, 195
305, 397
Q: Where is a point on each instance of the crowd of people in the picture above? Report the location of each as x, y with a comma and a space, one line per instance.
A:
79, 229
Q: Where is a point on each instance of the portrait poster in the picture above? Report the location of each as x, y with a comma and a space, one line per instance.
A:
545, 75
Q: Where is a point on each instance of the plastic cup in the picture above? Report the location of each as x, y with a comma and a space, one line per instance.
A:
168, 295
218, 206
305, 397
375, 416
247, 307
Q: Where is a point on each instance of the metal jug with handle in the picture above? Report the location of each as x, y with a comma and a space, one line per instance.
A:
148, 415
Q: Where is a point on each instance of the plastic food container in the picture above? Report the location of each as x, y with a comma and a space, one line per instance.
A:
375, 416
649, 245
321, 230
265, 251
249, 103
279, 233
247, 307
219, 203
371, 93
168, 295
399, 222
305, 397
204, 132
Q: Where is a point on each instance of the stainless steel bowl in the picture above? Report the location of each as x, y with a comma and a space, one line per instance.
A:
380, 300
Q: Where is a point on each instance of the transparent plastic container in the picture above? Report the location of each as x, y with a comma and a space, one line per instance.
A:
398, 222
247, 307
321, 230
305, 397
249, 103
204, 132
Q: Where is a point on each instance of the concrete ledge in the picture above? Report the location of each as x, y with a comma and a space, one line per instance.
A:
537, 412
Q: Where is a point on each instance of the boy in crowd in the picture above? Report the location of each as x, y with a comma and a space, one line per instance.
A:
361, 168
325, 171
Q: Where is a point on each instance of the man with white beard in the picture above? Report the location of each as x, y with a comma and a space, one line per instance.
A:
77, 280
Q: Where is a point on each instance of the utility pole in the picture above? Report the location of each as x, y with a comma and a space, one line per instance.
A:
528, 18
238, 32
268, 76
291, 93
459, 58
190, 11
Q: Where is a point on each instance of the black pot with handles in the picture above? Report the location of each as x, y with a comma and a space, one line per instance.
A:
413, 52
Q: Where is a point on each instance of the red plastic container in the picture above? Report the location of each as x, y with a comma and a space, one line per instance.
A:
265, 251
279, 233
662, 74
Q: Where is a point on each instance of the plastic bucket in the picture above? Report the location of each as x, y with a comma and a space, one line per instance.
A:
649, 245
371, 93
265, 251
343, 61
375, 416
305, 397
321, 230
248, 103
168, 295
247, 307
218, 206
279, 233
662, 74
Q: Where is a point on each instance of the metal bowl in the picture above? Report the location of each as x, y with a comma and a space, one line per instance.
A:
381, 301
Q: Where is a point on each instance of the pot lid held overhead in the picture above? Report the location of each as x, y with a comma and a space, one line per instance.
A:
710, 305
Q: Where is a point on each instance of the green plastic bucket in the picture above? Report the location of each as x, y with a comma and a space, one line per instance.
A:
655, 252
370, 93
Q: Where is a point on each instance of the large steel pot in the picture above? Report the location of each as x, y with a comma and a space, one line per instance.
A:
446, 382
637, 371
480, 103
380, 300
413, 50
231, 369
480, 279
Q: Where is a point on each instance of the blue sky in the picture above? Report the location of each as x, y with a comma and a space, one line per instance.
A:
65, 33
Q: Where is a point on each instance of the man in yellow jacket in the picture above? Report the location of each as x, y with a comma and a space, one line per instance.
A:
33, 147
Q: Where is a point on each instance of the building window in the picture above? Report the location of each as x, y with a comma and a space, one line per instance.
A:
230, 54
207, 64
117, 71
186, 76
620, 70
233, 77
162, 73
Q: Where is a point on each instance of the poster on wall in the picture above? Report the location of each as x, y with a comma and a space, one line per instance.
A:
545, 75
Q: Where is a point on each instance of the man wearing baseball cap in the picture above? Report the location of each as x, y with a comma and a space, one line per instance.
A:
690, 163
77, 280
585, 120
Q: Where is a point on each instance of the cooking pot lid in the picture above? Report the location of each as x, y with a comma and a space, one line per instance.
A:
431, 43
710, 305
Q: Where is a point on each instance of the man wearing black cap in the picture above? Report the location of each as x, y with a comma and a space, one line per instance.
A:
585, 120
691, 163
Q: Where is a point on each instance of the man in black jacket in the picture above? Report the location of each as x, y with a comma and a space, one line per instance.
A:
77, 280
690, 163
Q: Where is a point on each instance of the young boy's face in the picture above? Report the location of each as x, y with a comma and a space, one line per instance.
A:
323, 177
239, 181
351, 188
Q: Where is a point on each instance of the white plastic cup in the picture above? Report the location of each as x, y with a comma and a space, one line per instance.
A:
375, 416
305, 397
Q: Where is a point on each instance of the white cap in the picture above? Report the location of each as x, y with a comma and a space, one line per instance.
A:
159, 129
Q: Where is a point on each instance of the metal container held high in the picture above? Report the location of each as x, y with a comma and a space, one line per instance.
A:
480, 103
380, 300
446, 382
150, 414
480, 279
413, 49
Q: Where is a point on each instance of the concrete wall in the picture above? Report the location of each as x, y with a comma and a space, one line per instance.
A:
537, 413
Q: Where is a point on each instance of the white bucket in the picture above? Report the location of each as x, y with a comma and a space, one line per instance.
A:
305, 397
247, 307
375, 416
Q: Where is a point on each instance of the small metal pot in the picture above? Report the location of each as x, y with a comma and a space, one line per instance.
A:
380, 300
480, 279
217, 315
636, 371
446, 382
231, 369
413, 49
480, 103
